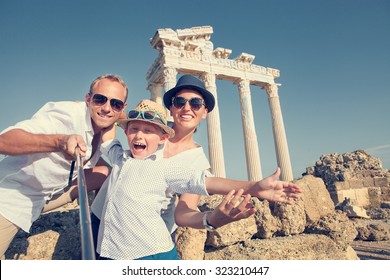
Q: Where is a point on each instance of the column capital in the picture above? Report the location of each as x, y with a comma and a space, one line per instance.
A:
243, 86
209, 80
272, 89
170, 74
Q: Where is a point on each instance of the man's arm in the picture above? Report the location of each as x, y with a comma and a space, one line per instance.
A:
20, 142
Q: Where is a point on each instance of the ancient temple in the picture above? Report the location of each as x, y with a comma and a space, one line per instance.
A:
190, 51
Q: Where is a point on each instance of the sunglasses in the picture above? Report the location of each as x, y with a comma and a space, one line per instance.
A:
99, 100
146, 115
196, 103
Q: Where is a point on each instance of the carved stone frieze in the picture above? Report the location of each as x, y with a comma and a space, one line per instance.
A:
192, 47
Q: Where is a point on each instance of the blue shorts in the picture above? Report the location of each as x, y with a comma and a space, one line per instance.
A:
170, 255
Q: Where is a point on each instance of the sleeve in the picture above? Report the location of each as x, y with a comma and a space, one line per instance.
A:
52, 118
113, 150
181, 179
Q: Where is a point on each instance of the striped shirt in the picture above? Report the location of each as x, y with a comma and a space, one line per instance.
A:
131, 225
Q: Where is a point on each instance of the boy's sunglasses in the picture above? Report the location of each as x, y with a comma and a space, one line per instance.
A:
196, 103
99, 100
146, 115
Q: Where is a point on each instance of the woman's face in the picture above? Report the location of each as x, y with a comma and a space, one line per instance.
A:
187, 117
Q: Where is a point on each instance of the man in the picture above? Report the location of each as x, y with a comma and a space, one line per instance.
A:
40, 150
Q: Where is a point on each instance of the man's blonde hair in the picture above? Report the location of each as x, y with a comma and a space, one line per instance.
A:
111, 77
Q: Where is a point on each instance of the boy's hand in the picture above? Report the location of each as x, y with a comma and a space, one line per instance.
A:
272, 189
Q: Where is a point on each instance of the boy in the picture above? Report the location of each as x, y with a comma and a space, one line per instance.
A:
132, 227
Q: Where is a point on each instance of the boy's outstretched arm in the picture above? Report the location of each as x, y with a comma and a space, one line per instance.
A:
269, 188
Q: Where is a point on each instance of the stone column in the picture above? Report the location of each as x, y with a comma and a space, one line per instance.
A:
280, 140
214, 130
250, 138
170, 74
156, 92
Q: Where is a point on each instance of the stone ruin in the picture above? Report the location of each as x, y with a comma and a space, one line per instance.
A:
357, 176
316, 227
322, 224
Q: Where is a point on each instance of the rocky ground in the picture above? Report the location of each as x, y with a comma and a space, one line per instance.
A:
56, 236
313, 228
372, 250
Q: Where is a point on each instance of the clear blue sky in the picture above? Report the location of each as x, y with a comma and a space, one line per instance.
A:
333, 56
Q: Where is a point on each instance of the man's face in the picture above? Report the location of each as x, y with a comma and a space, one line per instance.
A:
105, 114
144, 138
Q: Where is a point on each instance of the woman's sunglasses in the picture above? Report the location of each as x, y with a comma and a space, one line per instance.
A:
196, 103
146, 115
99, 100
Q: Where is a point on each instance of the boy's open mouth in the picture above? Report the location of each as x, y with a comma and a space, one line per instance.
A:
139, 146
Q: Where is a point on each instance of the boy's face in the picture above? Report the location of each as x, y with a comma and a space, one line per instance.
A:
144, 138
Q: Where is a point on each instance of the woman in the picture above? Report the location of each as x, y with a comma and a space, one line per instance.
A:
189, 102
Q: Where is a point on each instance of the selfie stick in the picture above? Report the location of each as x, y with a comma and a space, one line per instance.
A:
87, 247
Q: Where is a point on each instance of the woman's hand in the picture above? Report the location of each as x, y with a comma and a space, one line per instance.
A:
231, 210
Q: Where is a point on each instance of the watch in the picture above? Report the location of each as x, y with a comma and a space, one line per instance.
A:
206, 224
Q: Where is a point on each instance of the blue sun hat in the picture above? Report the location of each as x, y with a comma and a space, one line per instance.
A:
190, 82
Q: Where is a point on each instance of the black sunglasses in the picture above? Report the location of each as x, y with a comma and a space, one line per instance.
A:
99, 100
146, 115
196, 103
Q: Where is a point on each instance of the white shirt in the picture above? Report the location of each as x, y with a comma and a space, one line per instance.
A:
131, 225
193, 158
27, 181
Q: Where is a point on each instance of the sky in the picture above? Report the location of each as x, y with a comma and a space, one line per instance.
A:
333, 57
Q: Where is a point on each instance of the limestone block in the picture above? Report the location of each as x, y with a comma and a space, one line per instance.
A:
297, 247
380, 182
338, 186
190, 243
358, 197
316, 199
372, 230
54, 236
374, 194
385, 194
266, 223
41, 246
356, 183
232, 233
337, 226
368, 182
292, 217
354, 211
379, 213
